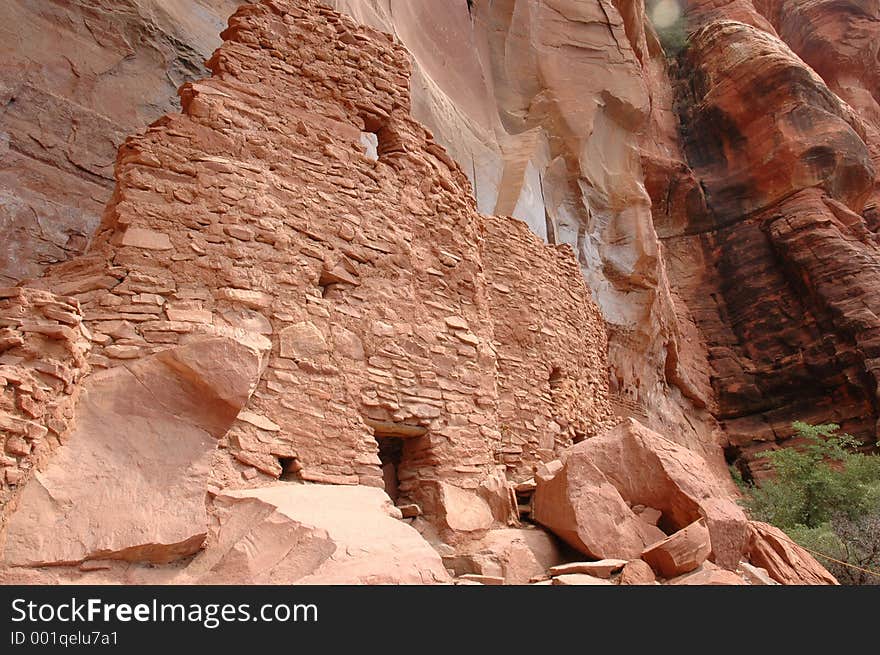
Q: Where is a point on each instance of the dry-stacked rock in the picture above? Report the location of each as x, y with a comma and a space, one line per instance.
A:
295, 208
43, 351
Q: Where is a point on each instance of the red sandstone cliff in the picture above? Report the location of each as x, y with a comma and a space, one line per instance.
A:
292, 281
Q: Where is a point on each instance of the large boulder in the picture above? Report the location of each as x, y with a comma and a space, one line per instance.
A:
581, 506
786, 562
130, 481
459, 515
313, 534
587, 500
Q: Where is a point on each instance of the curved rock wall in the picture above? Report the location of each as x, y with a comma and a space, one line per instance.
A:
786, 235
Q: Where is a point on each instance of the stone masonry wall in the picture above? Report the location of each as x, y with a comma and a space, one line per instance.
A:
550, 341
43, 348
384, 304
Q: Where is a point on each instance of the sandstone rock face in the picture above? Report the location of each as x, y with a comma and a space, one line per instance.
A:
785, 561
131, 479
76, 78
589, 502
313, 534
560, 113
400, 339
789, 171
395, 337
839, 41
43, 350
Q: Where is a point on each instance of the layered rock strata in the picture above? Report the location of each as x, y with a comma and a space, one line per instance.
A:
785, 243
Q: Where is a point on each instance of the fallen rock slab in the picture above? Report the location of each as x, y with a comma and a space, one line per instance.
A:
492, 580
581, 506
708, 577
579, 579
681, 552
588, 502
755, 575
601, 569
785, 561
129, 483
517, 555
314, 534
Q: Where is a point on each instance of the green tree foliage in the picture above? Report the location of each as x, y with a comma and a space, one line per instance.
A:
674, 39
826, 496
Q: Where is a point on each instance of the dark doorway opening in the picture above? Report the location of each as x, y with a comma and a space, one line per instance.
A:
290, 467
736, 462
556, 378
391, 455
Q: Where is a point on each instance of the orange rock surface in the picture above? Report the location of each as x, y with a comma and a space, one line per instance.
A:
308, 286
378, 305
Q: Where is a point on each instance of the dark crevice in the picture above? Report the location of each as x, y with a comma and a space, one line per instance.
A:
391, 456
290, 467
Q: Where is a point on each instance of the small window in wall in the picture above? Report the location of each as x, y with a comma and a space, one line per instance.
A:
290, 468
370, 142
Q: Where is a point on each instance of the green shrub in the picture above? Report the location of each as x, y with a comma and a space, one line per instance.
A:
674, 39
826, 496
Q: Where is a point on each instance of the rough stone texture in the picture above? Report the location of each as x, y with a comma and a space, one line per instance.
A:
839, 40
535, 302
371, 287
337, 238
313, 534
787, 248
516, 555
560, 113
680, 552
784, 560
637, 572
589, 503
43, 351
76, 78
130, 481
552, 160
